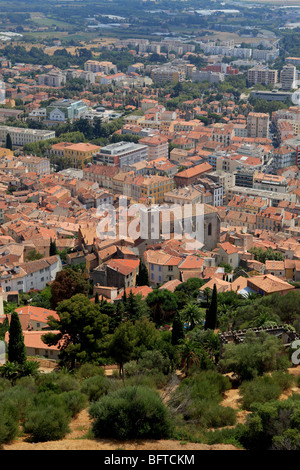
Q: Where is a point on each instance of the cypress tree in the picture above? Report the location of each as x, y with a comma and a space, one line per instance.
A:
142, 279
53, 249
16, 345
8, 142
96, 298
211, 313
177, 329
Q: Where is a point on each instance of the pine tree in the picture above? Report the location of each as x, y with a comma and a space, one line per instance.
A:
211, 313
16, 345
177, 329
9, 142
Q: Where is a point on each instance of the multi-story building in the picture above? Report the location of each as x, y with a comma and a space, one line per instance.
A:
288, 77
52, 79
78, 155
158, 146
268, 182
284, 156
96, 66
41, 166
63, 110
122, 153
263, 75
258, 125
164, 74
207, 76
153, 188
190, 176
21, 136
30, 275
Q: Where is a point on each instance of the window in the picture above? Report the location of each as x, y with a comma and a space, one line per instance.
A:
209, 230
170, 268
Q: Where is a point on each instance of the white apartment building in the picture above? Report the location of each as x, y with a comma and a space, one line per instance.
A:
122, 153
96, 66
30, 275
288, 77
21, 136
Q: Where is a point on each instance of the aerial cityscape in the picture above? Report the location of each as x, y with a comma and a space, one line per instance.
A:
150, 227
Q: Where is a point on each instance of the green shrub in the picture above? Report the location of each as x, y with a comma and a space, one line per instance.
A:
4, 384
46, 423
67, 382
8, 423
129, 413
47, 382
283, 379
97, 386
19, 397
209, 414
259, 390
89, 370
132, 368
270, 425
289, 440
74, 401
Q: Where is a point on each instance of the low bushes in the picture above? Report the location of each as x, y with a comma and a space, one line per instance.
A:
197, 398
97, 386
9, 425
129, 413
47, 423
265, 388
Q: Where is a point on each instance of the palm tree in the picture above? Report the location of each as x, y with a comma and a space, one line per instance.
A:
192, 314
190, 354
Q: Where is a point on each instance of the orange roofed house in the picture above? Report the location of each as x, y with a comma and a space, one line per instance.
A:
80, 154
189, 176
117, 273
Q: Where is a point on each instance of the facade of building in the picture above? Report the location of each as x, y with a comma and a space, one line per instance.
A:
122, 153
258, 125
21, 136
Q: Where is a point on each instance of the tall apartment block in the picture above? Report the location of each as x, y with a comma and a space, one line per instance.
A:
258, 125
263, 75
288, 77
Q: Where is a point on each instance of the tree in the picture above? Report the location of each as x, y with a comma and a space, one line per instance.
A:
142, 278
122, 346
191, 314
53, 249
82, 330
211, 313
136, 307
190, 354
97, 298
254, 357
163, 305
16, 345
68, 283
8, 142
177, 329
